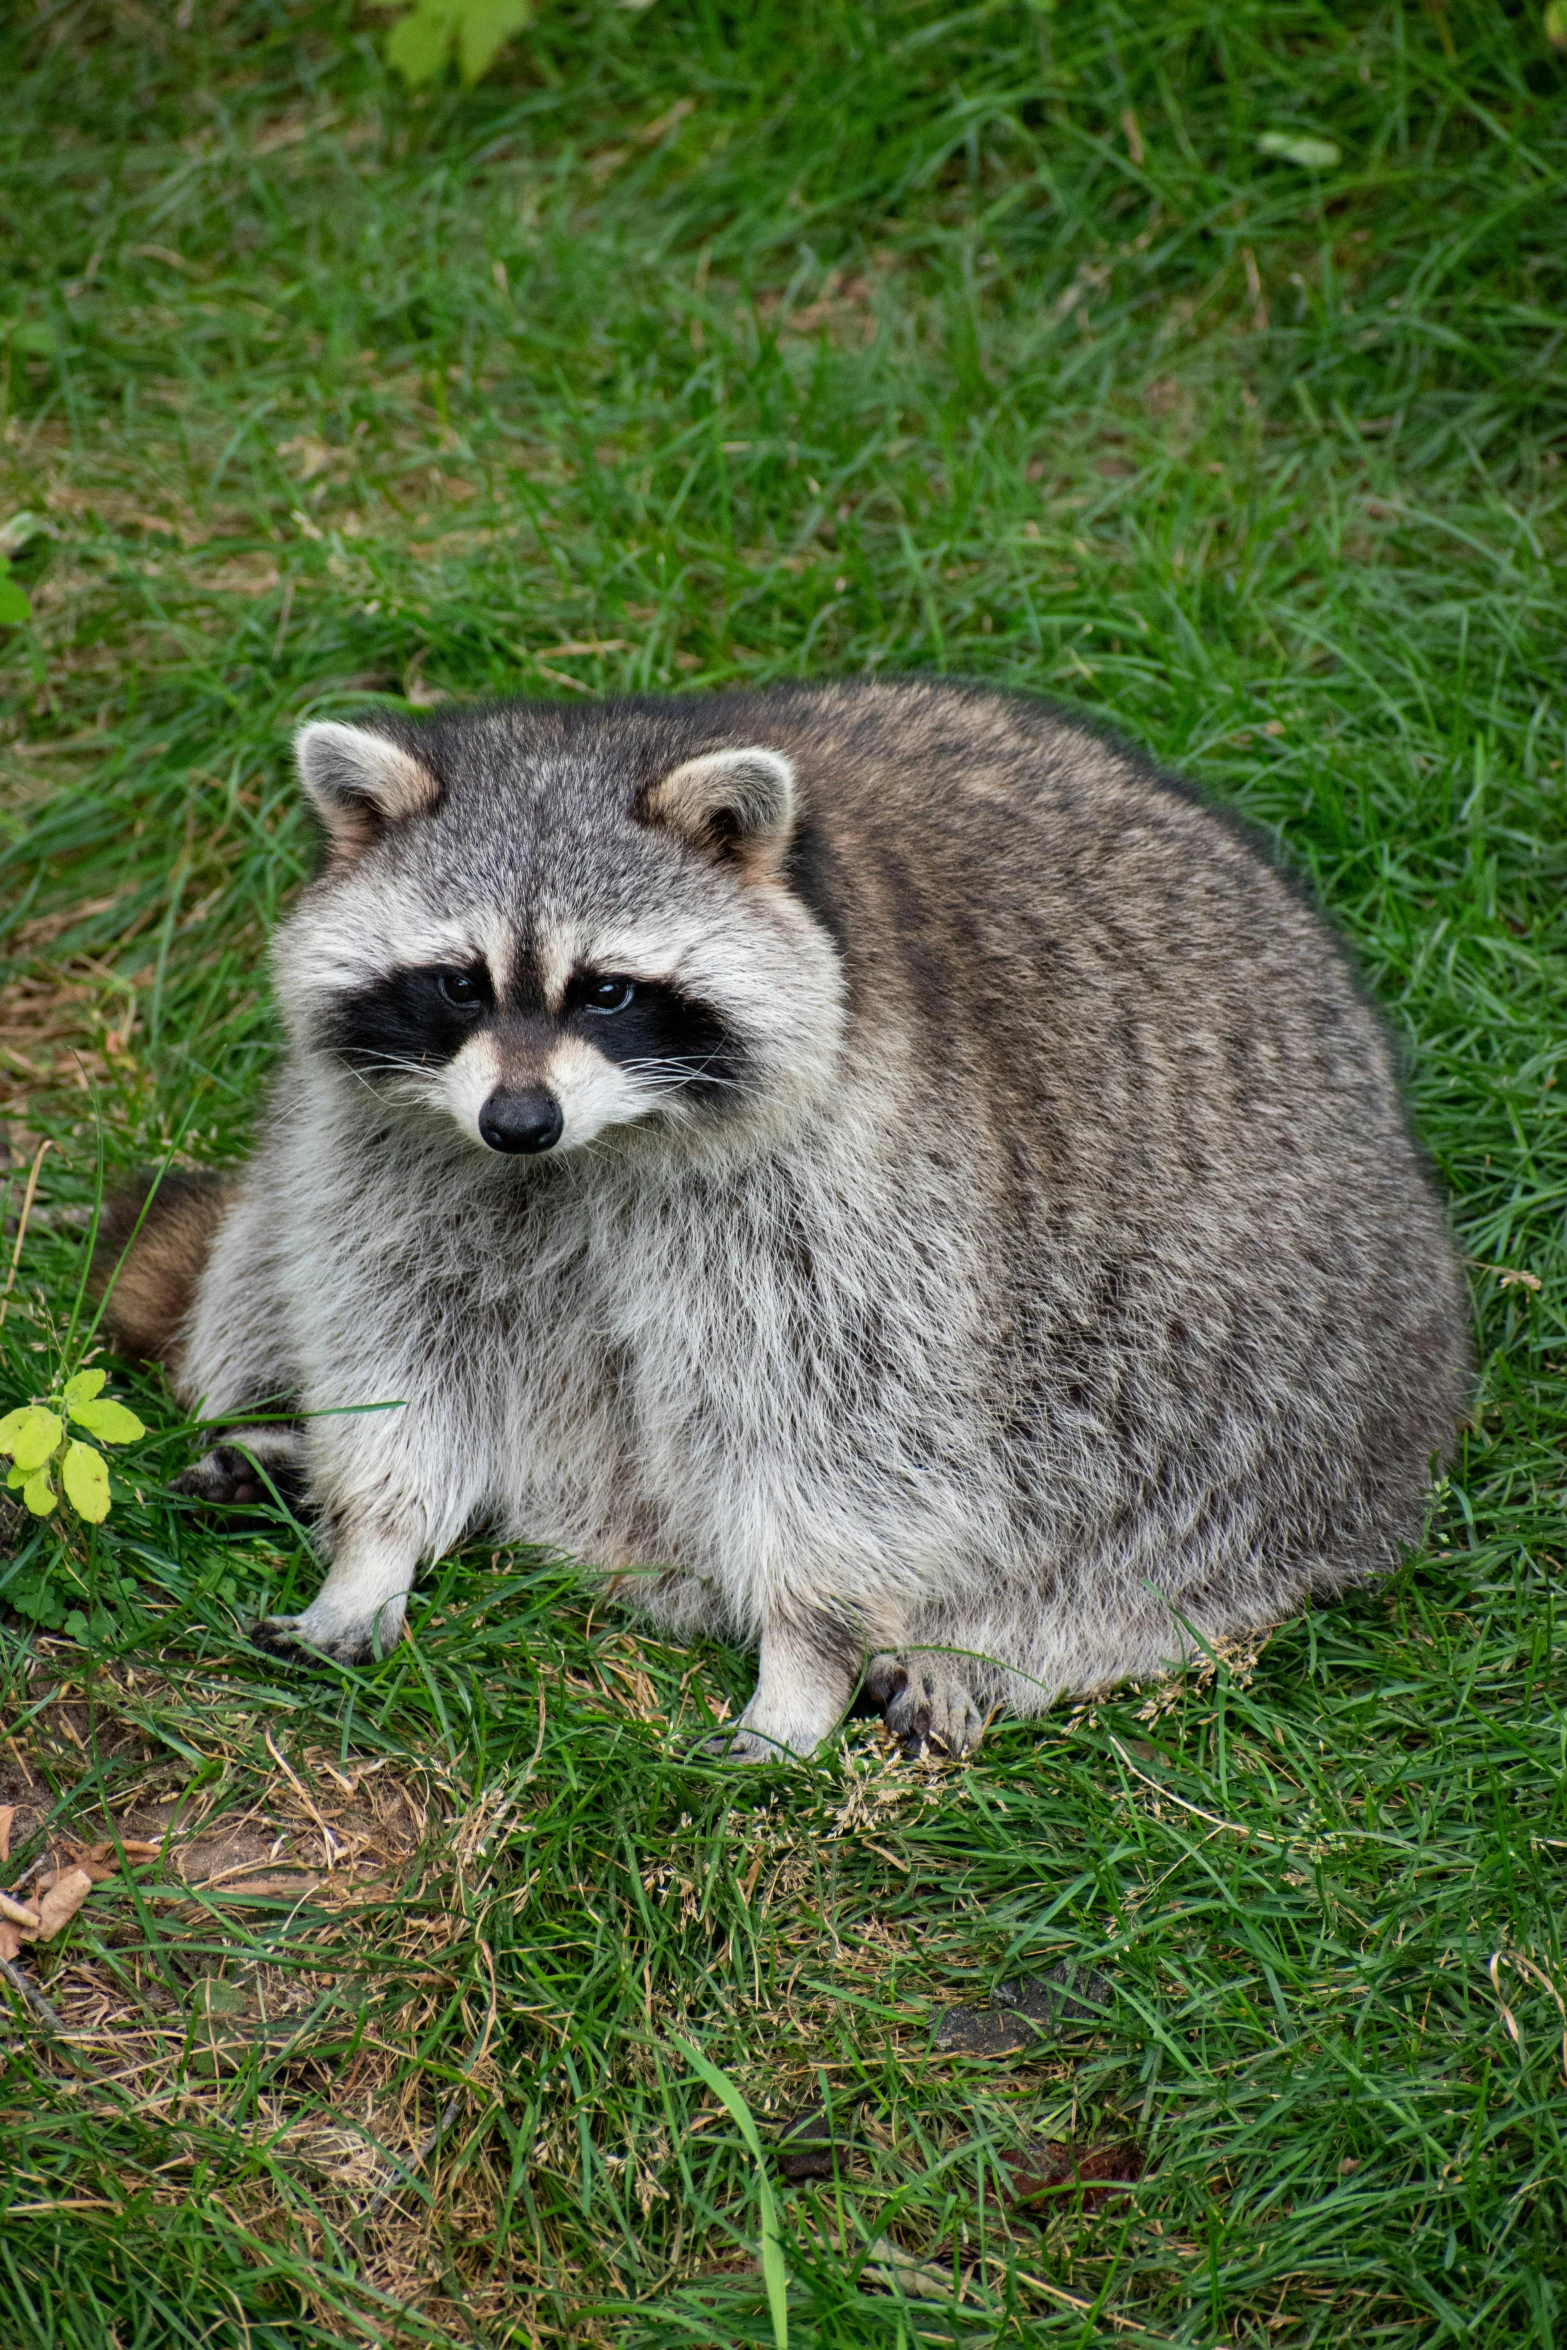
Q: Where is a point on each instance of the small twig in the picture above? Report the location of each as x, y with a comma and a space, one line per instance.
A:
40, 1860
28, 1197
1168, 1795
1109, 2317
33, 1996
533, 1759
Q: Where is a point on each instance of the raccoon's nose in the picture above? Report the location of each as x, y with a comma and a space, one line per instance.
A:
521, 1121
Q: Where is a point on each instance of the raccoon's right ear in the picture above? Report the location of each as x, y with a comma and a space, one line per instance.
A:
738, 806
359, 783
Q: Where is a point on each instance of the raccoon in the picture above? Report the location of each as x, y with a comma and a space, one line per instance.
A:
879, 1169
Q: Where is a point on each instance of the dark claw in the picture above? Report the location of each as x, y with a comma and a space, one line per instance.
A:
741, 1745
925, 1706
277, 1636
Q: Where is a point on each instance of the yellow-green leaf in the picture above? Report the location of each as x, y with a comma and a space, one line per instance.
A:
420, 42
83, 1388
1556, 24
109, 1421
38, 1493
483, 29
86, 1481
35, 1437
16, 1477
11, 1426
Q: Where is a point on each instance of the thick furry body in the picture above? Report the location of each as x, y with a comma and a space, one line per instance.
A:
1049, 1274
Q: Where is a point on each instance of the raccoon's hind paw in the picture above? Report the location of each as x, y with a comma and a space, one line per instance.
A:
925, 1701
222, 1478
265, 1468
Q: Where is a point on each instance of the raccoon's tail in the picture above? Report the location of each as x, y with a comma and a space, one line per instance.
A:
155, 1286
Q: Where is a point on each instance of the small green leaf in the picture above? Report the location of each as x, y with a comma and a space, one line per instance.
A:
1296, 147
16, 1477
11, 1426
14, 604
1556, 24
35, 1439
75, 1625
420, 42
86, 1481
32, 1596
34, 338
483, 29
83, 1388
38, 1493
109, 1421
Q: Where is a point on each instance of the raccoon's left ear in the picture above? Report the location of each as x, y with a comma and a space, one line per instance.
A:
360, 782
737, 806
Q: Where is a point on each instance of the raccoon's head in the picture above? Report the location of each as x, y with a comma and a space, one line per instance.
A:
545, 924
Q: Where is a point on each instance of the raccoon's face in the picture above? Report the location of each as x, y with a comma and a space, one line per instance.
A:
541, 933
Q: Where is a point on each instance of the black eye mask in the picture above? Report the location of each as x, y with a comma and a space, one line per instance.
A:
654, 1024
419, 1019
407, 1019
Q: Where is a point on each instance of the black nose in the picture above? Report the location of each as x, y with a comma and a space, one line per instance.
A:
521, 1121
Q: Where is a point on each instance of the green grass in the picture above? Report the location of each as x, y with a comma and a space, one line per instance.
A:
742, 343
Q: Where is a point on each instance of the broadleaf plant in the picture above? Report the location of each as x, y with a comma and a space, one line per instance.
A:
36, 1437
420, 43
15, 605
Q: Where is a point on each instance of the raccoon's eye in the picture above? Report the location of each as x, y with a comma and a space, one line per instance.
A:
460, 988
607, 995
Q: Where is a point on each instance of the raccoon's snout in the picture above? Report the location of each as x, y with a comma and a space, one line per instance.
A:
529, 1121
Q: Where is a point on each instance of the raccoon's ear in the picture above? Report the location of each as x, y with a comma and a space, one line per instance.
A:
738, 806
359, 783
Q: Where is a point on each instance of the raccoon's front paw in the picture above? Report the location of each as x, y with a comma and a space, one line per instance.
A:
294, 1639
925, 1701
